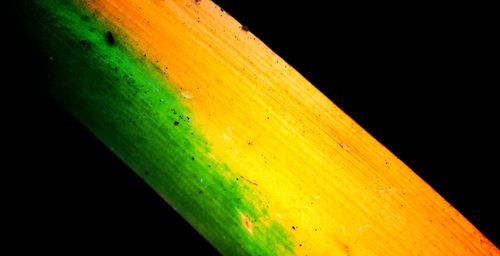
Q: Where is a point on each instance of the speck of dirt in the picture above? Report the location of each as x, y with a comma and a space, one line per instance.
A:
176, 123
110, 39
245, 28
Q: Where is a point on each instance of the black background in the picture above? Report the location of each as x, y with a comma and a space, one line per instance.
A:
417, 76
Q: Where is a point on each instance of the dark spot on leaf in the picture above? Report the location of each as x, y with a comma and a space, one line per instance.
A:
192, 158
110, 39
245, 28
176, 123
293, 227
